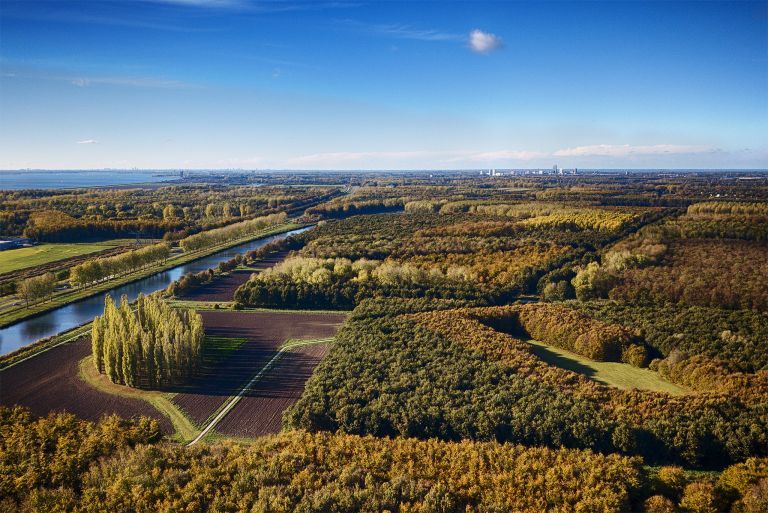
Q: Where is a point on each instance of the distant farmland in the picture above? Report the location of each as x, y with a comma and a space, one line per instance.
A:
23, 258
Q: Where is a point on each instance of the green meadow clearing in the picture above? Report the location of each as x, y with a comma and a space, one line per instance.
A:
619, 375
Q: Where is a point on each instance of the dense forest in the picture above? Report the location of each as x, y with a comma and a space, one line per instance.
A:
61, 464
174, 211
450, 374
672, 263
485, 257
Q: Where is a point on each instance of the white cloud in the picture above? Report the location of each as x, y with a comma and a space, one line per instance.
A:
484, 42
496, 156
627, 150
88, 141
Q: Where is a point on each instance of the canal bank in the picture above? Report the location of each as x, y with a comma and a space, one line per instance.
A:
72, 315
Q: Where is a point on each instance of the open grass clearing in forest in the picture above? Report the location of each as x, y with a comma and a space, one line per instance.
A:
23, 258
615, 374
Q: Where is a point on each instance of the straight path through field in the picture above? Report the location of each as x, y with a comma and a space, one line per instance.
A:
234, 401
264, 333
260, 411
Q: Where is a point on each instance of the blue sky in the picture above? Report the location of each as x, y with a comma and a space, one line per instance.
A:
382, 85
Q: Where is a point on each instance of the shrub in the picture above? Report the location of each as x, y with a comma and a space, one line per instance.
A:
700, 498
659, 504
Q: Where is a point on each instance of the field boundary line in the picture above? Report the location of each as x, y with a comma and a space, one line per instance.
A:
236, 399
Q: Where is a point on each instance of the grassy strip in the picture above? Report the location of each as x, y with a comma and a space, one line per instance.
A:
201, 305
161, 401
295, 343
619, 375
41, 346
217, 349
64, 298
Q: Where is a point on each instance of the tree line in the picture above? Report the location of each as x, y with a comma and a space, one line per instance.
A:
36, 287
146, 346
231, 232
99, 269
59, 463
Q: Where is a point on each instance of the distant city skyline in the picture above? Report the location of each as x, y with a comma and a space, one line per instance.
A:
212, 84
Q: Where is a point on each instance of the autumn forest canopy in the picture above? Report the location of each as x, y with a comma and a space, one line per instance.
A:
509, 343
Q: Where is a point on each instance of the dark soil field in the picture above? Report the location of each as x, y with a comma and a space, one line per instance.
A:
223, 287
260, 411
264, 333
50, 382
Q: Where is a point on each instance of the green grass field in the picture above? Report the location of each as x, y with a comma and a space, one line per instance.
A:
22, 258
619, 375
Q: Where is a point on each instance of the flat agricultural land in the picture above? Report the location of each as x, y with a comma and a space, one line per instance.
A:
51, 382
22, 258
260, 412
619, 375
223, 287
264, 333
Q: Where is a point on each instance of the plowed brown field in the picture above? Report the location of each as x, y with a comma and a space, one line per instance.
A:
50, 382
260, 411
264, 333
223, 287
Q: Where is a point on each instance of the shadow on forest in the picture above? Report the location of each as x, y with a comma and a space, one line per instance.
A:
511, 326
558, 360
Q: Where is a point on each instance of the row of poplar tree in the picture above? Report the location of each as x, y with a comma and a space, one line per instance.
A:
147, 345
100, 268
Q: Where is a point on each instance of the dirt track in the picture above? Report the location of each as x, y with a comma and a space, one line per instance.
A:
264, 332
260, 412
50, 382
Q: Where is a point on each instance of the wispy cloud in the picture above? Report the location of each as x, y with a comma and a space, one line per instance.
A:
471, 158
127, 81
187, 15
401, 31
88, 141
203, 3
435, 157
484, 42
626, 150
